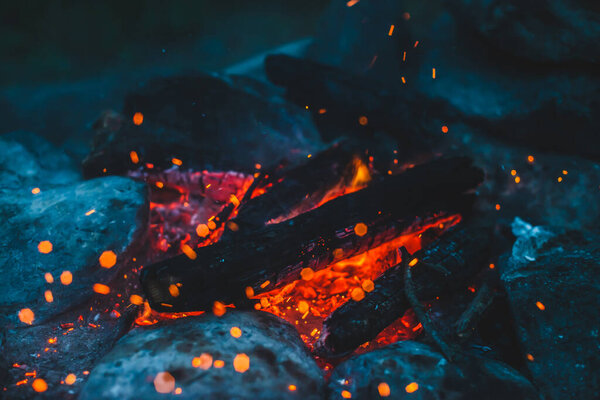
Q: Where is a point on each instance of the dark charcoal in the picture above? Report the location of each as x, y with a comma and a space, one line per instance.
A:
562, 273
205, 122
406, 362
462, 252
278, 358
58, 215
278, 252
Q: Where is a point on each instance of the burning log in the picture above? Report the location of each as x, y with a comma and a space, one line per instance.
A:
262, 259
339, 169
444, 266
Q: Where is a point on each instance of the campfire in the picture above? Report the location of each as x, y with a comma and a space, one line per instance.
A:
381, 211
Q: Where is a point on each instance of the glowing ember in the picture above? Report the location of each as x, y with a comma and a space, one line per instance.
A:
100, 288
39, 385
174, 290
45, 247
48, 296
235, 332
203, 362
412, 387
363, 120
138, 118
49, 278
383, 389
164, 382
108, 259
346, 394
368, 285
133, 156
202, 230
26, 316
66, 278
360, 229
307, 274
357, 294
444, 129
219, 309
530, 357
136, 299
35, 190
241, 363
540, 305
219, 364
70, 379
292, 388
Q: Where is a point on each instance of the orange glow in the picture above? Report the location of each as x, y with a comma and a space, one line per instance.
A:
48, 296
517, 179
241, 363
565, 172
138, 118
444, 129
360, 229
350, 3
412, 387
368, 285
497, 207
39, 385
235, 332
108, 259
540, 305
403, 80
307, 274
433, 73
174, 290
265, 284
203, 362
133, 156
346, 394
249, 292
292, 388
176, 161
70, 379
45, 246
160, 185
136, 299
530, 159
49, 278
513, 172
101, 289
357, 294
35, 190
66, 278
413, 262
188, 251
26, 316
164, 382
219, 308
87, 214
391, 30
559, 179
178, 391
406, 16
363, 120
492, 266
416, 44
202, 230
322, 110
383, 389
234, 200
219, 364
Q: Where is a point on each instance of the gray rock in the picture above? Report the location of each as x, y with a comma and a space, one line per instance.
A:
553, 289
278, 358
59, 216
405, 363
28, 160
556, 31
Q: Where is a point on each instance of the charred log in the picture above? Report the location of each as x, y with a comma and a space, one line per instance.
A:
304, 187
444, 266
275, 254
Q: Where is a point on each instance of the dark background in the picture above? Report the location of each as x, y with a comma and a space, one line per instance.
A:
45, 41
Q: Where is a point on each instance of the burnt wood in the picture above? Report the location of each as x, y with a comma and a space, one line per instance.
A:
444, 266
274, 254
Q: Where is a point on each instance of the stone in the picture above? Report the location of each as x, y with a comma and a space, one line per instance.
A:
28, 161
552, 285
413, 370
205, 122
136, 366
66, 229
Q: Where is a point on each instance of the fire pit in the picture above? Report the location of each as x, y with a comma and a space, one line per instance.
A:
361, 216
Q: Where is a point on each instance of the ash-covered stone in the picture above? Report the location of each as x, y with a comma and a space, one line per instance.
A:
80, 222
553, 287
277, 359
413, 370
205, 122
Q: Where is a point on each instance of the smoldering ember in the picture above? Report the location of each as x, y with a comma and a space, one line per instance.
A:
395, 200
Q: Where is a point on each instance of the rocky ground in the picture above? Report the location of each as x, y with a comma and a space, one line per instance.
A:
74, 228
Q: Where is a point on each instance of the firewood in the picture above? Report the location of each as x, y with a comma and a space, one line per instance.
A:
275, 254
444, 266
